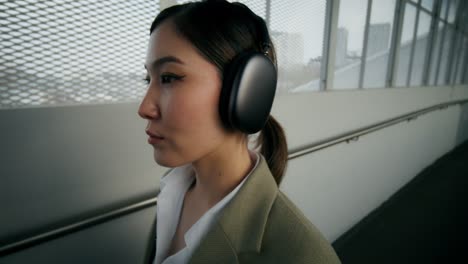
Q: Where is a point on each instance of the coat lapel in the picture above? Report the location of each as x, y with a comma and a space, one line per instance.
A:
214, 248
241, 224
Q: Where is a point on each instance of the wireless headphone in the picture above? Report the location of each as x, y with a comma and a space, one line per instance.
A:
249, 87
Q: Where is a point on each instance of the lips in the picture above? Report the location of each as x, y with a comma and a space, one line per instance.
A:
154, 135
154, 138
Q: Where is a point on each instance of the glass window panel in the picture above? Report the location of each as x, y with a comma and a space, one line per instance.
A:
436, 54
297, 31
378, 43
463, 59
73, 52
447, 45
428, 4
443, 10
349, 39
405, 45
420, 48
452, 10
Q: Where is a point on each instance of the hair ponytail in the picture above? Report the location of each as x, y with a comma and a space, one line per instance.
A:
274, 148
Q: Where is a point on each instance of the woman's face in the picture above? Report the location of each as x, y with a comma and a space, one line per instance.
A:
181, 103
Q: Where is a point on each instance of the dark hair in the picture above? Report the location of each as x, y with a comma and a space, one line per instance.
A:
220, 30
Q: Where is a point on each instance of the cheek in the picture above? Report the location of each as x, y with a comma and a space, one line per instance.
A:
195, 111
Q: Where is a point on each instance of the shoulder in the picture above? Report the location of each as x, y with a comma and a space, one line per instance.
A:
289, 237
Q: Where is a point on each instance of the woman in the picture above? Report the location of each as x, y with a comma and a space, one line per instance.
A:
220, 203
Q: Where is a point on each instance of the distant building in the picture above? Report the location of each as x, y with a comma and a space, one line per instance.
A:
341, 47
378, 39
289, 48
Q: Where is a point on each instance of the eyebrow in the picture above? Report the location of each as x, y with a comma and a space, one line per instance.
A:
159, 62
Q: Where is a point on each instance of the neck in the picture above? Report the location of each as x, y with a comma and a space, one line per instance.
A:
219, 172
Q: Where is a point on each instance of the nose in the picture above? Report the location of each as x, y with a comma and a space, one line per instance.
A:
149, 107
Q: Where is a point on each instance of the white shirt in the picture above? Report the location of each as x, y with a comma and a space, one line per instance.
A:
173, 187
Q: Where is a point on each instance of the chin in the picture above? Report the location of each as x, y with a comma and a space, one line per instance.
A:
165, 161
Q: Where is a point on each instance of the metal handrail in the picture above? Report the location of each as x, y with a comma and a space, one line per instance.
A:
64, 230
295, 153
355, 134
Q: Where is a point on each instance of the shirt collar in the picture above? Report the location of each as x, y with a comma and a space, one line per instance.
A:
192, 235
176, 176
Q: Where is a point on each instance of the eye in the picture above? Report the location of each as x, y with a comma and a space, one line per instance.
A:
146, 80
169, 78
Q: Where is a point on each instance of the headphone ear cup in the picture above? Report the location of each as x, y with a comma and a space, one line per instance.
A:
249, 87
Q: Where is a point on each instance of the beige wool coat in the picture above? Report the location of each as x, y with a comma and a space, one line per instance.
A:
259, 225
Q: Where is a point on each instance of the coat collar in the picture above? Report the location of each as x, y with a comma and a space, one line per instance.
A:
241, 225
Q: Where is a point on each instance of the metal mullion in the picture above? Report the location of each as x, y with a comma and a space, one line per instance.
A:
460, 41
464, 65
412, 3
431, 44
449, 56
413, 45
453, 44
439, 56
364, 46
427, 10
464, 69
329, 49
463, 59
394, 53
438, 40
441, 45
453, 74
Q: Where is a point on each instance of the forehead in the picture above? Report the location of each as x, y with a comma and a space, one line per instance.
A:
166, 41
